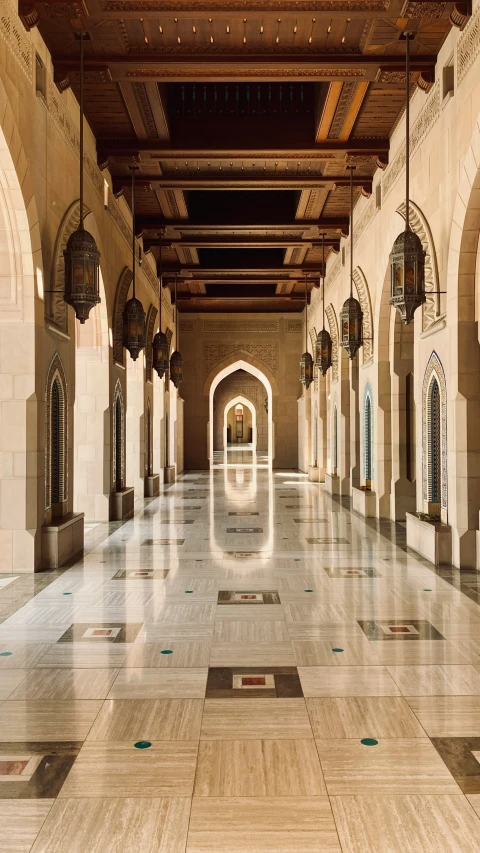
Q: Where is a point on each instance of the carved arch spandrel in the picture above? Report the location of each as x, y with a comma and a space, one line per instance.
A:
333, 329
121, 294
149, 327
366, 305
419, 224
55, 306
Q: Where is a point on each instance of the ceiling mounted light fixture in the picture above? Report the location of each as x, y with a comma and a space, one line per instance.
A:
176, 361
306, 361
133, 313
81, 256
407, 258
351, 315
160, 347
323, 344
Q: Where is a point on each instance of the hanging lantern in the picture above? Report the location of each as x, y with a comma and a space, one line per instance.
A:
351, 315
160, 352
176, 361
351, 322
306, 369
82, 258
407, 270
407, 258
323, 344
134, 334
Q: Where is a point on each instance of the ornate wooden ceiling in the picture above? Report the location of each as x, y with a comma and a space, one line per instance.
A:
242, 117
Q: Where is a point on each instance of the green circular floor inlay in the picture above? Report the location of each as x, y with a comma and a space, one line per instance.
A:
427, 590
308, 590
337, 650
142, 744
166, 652
67, 593
369, 741
189, 591
5, 654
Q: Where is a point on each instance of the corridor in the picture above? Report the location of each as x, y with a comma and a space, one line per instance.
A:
244, 666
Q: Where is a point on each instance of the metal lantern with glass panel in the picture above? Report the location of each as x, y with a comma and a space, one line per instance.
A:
351, 315
82, 258
407, 258
306, 361
323, 344
160, 347
133, 314
176, 361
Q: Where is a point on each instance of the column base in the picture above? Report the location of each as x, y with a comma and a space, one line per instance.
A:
332, 484
432, 541
316, 474
122, 504
63, 540
169, 474
364, 502
152, 486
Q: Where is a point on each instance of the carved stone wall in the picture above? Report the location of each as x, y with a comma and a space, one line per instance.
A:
123, 287
419, 224
266, 353
364, 299
333, 329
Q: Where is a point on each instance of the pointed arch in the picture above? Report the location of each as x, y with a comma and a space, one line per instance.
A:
366, 305
121, 294
149, 439
333, 329
56, 432
418, 224
334, 443
368, 428
434, 436
149, 327
244, 401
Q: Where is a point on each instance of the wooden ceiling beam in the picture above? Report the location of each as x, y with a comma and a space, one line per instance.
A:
213, 241
339, 223
226, 181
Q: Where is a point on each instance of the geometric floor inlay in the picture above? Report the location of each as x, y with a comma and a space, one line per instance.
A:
398, 629
106, 632
236, 682
240, 597
462, 757
336, 572
33, 771
140, 574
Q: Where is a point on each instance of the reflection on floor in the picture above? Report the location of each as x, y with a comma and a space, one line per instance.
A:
277, 675
242, 455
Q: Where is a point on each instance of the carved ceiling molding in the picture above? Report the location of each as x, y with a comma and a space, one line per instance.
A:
468, 46
17, 40
213, 6
423, 9
247, 73
419, 224
344, 103
366, 305
333, 329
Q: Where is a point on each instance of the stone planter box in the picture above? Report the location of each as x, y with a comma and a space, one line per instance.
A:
363, 502
316, 475
122, 504
332, 484
62, 540
169, 474
152, 486
432, 541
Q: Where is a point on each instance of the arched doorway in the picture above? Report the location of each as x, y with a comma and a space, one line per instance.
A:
238, 441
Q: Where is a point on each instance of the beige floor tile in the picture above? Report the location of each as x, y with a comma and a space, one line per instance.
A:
21, 657
447, 716
347, 681
148, 719
64, 684
84, 655
247, 631
437, 680
325, 631
363, 716
474, 800
166, 769
116, 826
10, 679
420, 652
252, 654
403, 765
251, 825
406, 824
155, 632
257, 613
47, 721
159, 684
20, 823
234, 719
320, 653
256, 768
190, 653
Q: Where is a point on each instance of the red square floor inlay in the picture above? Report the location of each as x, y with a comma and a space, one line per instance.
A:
12, 768
252, 681
398, 629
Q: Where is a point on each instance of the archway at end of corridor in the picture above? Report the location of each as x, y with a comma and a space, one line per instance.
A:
241, 384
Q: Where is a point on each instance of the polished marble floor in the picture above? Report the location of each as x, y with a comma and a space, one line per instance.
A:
244, 667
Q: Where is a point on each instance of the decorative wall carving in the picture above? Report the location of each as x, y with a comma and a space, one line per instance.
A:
18, 41
468, 46
187, 326
55, 306
228, 326
149, 327
293, 327
313, 339
118, 443
366, 305
368, 454
121, 294
422, 9
434, 371
333, 329
56, 376
364, 221
420, 226
265, 352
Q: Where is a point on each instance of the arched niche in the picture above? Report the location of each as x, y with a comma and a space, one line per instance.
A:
434, 438
56, 438
243, 401
118, 439
368, 455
